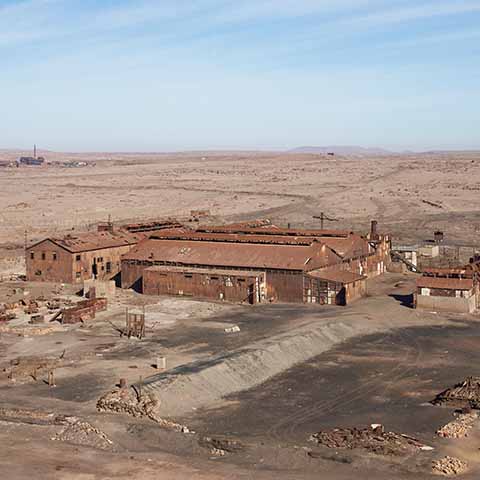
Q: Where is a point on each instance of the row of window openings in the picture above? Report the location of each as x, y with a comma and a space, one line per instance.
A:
54, 257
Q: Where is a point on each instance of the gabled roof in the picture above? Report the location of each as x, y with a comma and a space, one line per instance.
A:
239, 255
89, 241
346, 244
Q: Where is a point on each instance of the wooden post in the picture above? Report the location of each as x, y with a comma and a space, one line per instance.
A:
51, 379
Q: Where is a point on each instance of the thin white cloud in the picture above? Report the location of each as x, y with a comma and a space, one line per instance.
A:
411, 13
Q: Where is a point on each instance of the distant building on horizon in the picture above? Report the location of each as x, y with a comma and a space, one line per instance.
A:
31, 160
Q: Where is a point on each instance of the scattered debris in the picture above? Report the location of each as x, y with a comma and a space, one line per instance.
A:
233, 329
373, 439
80, 432
449, 466
32, 417
220, 447
24, 368
137, 404
464, 394
127, 400
432, 204
28, 331
459, 427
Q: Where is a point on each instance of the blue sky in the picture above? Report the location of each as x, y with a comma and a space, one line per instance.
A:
90, 75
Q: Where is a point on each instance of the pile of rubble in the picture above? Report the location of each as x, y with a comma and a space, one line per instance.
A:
373, 439
449, 466
127, 400
464, 394
459, 427
131, 402
80, 432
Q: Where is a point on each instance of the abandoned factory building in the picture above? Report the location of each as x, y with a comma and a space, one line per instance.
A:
255, 265
77, 257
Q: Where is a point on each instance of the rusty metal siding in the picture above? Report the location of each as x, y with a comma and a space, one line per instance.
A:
132, 274
284, 286
215, 286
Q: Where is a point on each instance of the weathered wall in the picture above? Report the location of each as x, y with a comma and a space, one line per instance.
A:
132, 274
284, 286
107, 261
50, 263
84, 310
446, 304
355, 290
71, 267
211, 286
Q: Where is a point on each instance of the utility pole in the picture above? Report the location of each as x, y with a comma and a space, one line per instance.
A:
322, 217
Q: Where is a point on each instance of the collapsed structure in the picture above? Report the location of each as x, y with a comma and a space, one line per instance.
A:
241, 263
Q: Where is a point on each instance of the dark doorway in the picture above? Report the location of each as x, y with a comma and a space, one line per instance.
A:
342, 297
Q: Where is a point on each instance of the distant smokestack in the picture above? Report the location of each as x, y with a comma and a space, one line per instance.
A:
374, 230
34, 151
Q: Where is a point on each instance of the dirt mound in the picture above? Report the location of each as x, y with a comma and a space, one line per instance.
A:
464, 394
373, 439
459, 427
203, 382
449, 466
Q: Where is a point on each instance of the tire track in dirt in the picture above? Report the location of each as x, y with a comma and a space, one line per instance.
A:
288, 426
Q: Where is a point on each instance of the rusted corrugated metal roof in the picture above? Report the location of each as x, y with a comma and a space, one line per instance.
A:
183, 234
241, 255
274, 230
90, 241
445, 283
444, 272
349, 246
206, 271
337, 276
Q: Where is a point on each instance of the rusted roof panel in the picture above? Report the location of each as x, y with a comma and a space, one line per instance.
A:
337, 276
184, 234
84, 242
241, 255
349, 246
444, 272
274, 230
445, 283
204, 271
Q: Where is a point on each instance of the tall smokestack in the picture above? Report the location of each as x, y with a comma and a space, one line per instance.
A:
374, 230
34, 151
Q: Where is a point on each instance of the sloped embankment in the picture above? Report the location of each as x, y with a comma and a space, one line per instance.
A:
201, 383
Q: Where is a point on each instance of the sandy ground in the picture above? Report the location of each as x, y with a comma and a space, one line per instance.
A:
386, 376
411, 196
